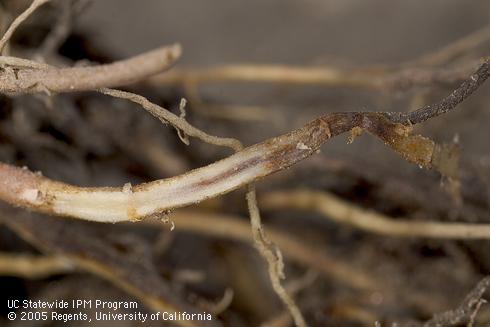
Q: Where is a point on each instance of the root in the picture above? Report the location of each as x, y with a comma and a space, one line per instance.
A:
343, 212
75, 79
273, 258
19, 20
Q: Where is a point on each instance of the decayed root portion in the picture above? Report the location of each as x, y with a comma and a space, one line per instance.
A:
37, 78
448, 103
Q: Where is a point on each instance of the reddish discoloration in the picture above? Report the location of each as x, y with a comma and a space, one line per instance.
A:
17, 181
19, 186
228, 173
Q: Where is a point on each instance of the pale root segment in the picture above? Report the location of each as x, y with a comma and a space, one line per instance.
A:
112, 204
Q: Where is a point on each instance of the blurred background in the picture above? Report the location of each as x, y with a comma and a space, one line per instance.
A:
402, 56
